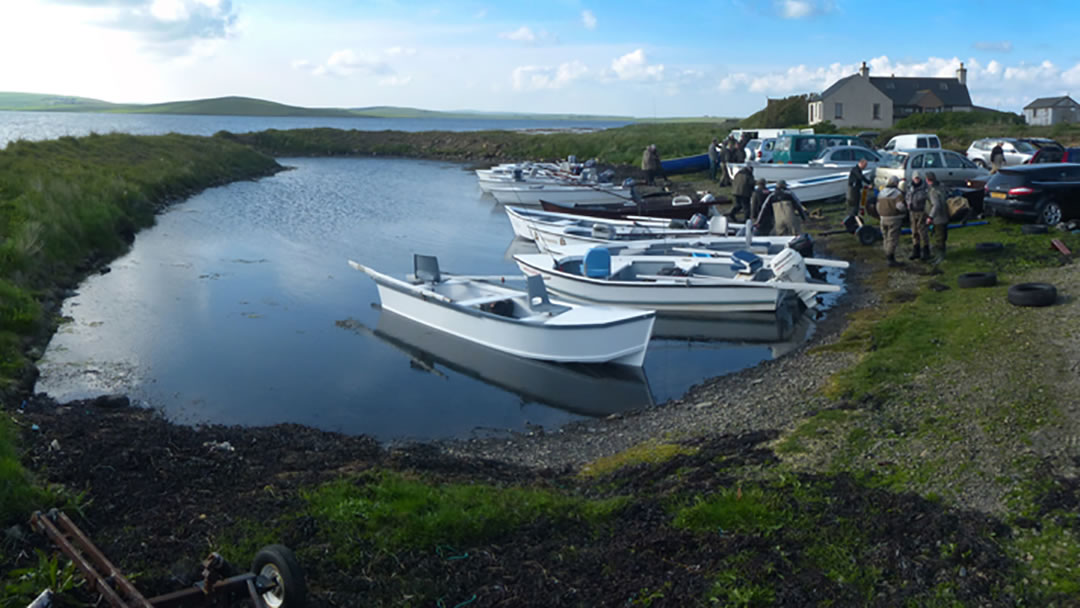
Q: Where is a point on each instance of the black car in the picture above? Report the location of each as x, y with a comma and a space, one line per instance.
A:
1048, 193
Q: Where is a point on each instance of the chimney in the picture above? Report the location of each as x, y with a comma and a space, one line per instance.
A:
864, 71
961, 74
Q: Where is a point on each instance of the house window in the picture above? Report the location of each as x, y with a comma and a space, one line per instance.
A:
877, 111
839, 110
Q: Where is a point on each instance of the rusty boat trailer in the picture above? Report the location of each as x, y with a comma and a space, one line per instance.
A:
269, 587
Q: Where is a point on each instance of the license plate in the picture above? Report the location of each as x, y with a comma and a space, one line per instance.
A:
998, 195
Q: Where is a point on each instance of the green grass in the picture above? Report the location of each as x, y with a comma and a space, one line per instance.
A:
391, 511
18, 496
652, 452
623, 145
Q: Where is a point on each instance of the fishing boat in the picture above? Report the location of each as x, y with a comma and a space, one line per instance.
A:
530, 194
526, 221
821, 188
794, 172
522, 323
678, 285
584, 389
686, 164
660, 205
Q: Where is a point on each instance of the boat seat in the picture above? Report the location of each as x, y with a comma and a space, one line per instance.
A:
538, 297
597, 263
426, 268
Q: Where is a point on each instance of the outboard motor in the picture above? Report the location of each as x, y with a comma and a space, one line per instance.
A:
788, 265
590, 163
518, 176
628, 182
698, 221
607, 175
804, 244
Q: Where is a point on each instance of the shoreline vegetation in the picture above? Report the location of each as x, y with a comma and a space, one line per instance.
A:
931, 462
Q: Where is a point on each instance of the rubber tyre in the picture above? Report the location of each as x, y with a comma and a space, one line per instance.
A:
1032, 294
1034, 229
981, 163
278, 563
989, 247
867, 235
1050, 213
976, 279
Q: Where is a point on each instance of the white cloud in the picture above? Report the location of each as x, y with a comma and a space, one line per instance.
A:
395, 81
533, 78
802, 9
522, 34
396, 51
635, 66
1001, 46
348, 62
588, 19
170, 27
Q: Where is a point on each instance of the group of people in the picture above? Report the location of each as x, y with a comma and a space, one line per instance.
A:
925, 204
778, 212
720, 155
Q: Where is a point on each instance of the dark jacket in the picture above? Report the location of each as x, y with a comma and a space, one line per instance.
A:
855, 181
757, 202
714, 154
997, 155
915, 196
743, 184
779, 196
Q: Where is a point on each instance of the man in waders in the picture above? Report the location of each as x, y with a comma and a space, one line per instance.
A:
890, 208
742, 187
855, 182
757, 203
915, 196
939, 215
787, 211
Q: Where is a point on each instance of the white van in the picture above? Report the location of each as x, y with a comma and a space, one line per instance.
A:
737, 134
912, 141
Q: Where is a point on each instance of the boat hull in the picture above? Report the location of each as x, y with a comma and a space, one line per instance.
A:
686, 164
662, 209
793, 172
624, 342
672, 298
531, 195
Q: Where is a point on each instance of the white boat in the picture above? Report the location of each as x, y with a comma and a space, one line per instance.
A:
795, 172
678, 285
522, 323
553, 232
530, 194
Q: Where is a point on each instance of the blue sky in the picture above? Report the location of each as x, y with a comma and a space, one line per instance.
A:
632, 57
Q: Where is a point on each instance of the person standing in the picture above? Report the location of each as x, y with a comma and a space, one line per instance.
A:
742, 188
787, 211
855, 182
890, 209
939, 215
725, 159
757, 203
650, 163
915, 196
714, 158
997, 158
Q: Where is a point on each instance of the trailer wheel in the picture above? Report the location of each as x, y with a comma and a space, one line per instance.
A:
278, 564
976, 279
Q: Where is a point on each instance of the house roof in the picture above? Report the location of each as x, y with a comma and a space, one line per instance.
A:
839, 84
1049, 102
905, 91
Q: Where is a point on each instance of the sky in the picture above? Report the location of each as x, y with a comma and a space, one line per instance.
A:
641, 58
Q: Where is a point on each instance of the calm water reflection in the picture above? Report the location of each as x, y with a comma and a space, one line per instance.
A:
239, 308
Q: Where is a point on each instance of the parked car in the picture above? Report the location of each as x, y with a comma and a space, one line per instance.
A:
951, 168
1055, 154
1017, 151
1047, 193
846, 156
1040, 142
760, 150
868, 138
912, 141
804, 147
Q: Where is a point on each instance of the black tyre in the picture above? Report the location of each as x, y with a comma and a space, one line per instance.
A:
278, 564
981, 163
867, 235
1033, 229
1032, 294
1049, 213
988, 247
976, 279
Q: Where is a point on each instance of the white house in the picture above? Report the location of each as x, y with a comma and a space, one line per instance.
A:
1052, 110
860, 100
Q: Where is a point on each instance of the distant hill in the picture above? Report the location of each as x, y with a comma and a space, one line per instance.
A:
248, 106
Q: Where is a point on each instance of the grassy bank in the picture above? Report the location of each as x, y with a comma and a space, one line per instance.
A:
67, 206
621, 146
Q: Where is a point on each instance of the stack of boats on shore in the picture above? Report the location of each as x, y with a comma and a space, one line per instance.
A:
809, 181
609, 278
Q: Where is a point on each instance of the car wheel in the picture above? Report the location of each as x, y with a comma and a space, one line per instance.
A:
1032, 294
976, 279
1050, 213
981, 163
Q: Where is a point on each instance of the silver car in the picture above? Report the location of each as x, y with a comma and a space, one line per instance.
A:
760, 150
846, 156
951, 168
1017, 152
